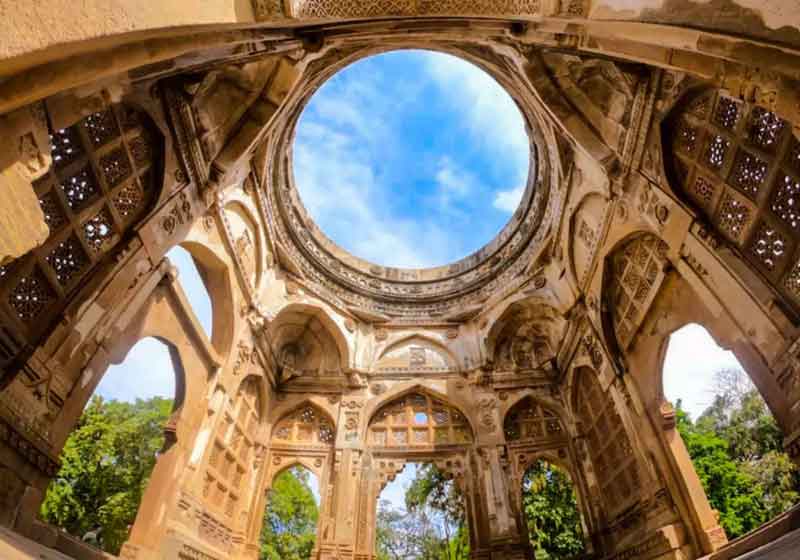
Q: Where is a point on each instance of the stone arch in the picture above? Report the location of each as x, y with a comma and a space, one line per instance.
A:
529, 419
525, 335
737, 164
585, 235
416, 352
305, 425
306, 338
160, 318
417, 418
216, 276
291, 462
632, 276
570, 471
244, 234
105, 177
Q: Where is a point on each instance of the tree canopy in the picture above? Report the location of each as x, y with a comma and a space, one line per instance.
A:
736, 449
551, 511
106, 464
290, 520
432, 526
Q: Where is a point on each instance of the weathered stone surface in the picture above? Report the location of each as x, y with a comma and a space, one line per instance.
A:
667, 174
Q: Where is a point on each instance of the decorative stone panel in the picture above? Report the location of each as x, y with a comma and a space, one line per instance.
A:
737, 163
378, 8
609, 446
103, 179
418, 421
530, 421
637, 270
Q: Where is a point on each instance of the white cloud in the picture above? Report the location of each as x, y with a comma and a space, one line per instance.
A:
343, 188
494, 119
348, 177
508, 201
453, 186
689, 366
146, 372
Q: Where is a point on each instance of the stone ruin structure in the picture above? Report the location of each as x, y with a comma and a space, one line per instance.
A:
664, 189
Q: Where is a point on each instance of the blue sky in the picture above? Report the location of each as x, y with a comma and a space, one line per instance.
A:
411, 158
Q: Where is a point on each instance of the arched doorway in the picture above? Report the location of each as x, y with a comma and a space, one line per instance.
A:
110, 455
290, 520
421, 515
419, 434
732, 438
550, 508
300, 461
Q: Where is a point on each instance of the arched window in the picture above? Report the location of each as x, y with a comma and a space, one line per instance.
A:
529, 420
417, 420
608, 442
104, 178
230, 460
305, 426
636, 273
740, 165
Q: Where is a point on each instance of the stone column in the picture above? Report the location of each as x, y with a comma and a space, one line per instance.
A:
26, 157
494, 527
344, 503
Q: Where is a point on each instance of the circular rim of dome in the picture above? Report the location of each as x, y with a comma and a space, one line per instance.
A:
421, 273
397, 291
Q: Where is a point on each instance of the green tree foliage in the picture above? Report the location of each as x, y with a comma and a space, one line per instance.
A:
106, 464
290, 521
736, 449
551, 510
433, 526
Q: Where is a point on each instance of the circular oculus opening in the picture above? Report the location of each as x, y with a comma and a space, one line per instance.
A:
411, 159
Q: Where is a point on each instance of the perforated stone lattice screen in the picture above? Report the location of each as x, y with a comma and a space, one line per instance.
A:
740, 165
637, 270
608, 442
528, 420
305, 426
103, 179
417, 420
232, 450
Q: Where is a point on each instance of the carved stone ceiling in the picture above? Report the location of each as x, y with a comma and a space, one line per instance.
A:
410, 294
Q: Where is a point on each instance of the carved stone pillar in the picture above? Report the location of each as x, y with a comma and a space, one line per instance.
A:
25, 159
344, 503
494, 527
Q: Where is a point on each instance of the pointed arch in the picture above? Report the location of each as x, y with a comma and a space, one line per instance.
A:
417, 419
526, 335
632, 276
530, 420
305, 425
306, 337
243, 229
215, 275
416, 352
